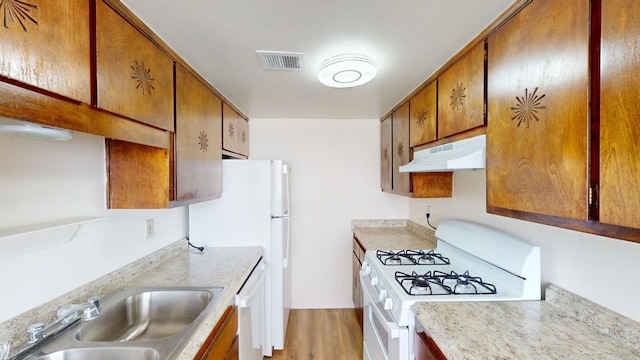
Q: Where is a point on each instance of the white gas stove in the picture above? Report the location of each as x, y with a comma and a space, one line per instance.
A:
471, 262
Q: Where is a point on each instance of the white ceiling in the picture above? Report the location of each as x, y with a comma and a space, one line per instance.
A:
408, 39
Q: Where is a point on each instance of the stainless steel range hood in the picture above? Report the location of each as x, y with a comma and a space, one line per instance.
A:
467, 154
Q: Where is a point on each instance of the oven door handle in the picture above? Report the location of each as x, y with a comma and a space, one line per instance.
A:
384, 319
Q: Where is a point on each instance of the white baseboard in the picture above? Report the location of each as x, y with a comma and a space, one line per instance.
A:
323, 306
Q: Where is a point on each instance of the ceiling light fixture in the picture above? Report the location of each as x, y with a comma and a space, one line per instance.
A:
347, 70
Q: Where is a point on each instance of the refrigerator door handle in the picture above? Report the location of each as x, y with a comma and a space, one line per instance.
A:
285, 260
285, 172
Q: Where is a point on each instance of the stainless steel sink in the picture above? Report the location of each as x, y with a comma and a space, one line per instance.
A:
148, 323
102, 354
147, 315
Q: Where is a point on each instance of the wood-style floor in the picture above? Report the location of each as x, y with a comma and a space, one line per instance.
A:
322, 334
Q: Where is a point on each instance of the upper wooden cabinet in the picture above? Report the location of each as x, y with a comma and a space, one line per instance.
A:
461, 94
619, 114
235, 132
197, 140
46, 44
538, 103
400, 148
134, 76
394, 152
424, 112
386, 154
137, 175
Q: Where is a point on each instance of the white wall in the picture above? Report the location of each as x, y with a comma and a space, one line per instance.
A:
600, 269
335, 178
42, 181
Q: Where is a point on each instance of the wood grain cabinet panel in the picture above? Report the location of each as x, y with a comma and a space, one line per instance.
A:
197, 140
138, 176
235, 131
538, 99
461, 94
400, 148
424, 113
386, 155
357, 294
424, 346
222, 342
619, 114
134, 76
46, 44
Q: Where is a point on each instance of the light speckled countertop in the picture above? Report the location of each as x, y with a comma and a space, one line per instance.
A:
175, 265
393, 234
565, 326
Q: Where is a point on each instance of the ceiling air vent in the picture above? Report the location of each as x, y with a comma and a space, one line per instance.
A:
281, 60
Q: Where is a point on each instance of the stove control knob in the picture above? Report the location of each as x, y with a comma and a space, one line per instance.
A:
382, 295
388, 303
366, 269
374, 281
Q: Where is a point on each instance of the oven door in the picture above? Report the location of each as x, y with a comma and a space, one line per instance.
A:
383, 338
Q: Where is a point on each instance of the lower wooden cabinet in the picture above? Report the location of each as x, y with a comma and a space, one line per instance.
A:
424, 347
357, 259
222, 343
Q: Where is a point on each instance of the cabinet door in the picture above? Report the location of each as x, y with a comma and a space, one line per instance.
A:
222, 342
424, 347
400, 147
46, 44
198, 139
424, 112
461, 94
358, 296
537, 132
135, 77
386, 155
243, 136
619, 114
235, 131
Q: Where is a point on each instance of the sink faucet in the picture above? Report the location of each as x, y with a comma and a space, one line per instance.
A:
67, 315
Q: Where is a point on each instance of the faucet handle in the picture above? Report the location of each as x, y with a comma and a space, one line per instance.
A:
5, 346
95, 301
36, 332
66, 314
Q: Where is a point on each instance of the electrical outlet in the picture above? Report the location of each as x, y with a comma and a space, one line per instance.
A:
149, 230
428, 209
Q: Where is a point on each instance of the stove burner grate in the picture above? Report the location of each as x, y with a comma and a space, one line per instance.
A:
426, 284
465, 284
441, 283
411, 257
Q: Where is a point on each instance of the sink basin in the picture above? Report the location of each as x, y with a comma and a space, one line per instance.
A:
102, 354
147, 315
137, 323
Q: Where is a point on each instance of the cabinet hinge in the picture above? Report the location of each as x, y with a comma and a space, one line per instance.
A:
593, 194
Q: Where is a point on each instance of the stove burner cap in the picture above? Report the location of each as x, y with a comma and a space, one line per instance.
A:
426, 259
393, 259
420, 284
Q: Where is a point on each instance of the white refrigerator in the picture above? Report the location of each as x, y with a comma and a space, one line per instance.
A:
253, 210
